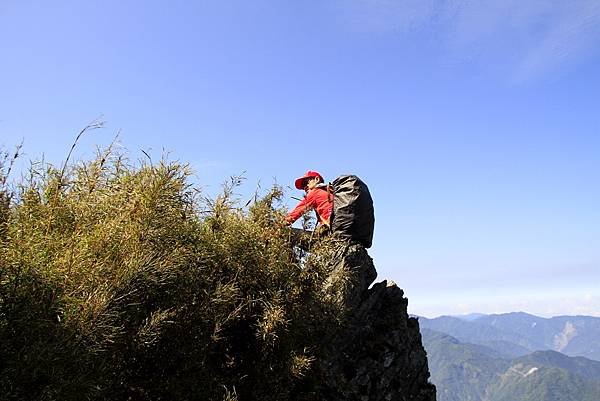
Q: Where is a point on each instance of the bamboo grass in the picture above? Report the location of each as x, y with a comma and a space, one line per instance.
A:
120, 281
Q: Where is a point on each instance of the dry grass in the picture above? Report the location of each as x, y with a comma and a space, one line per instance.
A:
119, 281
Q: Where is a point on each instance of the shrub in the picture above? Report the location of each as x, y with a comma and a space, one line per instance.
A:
119, 281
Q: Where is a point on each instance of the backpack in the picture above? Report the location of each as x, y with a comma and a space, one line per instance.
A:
353, 216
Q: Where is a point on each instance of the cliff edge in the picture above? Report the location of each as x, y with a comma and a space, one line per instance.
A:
377, 354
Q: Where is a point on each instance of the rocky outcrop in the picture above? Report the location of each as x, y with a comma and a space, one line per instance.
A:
377, 353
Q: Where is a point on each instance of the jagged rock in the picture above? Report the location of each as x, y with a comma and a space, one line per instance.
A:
353, 263
377, 353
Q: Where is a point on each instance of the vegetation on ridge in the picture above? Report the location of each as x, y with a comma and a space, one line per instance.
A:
118, 280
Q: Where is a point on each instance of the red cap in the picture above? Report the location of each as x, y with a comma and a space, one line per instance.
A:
309, 174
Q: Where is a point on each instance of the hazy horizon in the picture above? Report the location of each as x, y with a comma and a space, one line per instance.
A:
469, 315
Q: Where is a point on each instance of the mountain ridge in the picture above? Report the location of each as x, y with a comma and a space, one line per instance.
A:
467, 372
577, 335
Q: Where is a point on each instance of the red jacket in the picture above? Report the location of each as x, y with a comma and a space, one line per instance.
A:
317, 199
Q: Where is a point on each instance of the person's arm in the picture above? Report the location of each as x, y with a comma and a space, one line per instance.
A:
301, 208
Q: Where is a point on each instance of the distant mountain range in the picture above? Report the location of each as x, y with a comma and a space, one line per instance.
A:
513, 357
519, 333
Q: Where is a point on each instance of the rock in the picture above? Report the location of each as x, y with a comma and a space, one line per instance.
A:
356, 266
377, 352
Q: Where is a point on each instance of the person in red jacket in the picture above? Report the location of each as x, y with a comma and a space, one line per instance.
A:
317, 198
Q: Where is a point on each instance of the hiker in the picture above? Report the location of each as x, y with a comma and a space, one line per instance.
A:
317, 198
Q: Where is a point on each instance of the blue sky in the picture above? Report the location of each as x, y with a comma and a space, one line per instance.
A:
475, 124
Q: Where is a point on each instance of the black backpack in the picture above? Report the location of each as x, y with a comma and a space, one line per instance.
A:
353, 216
